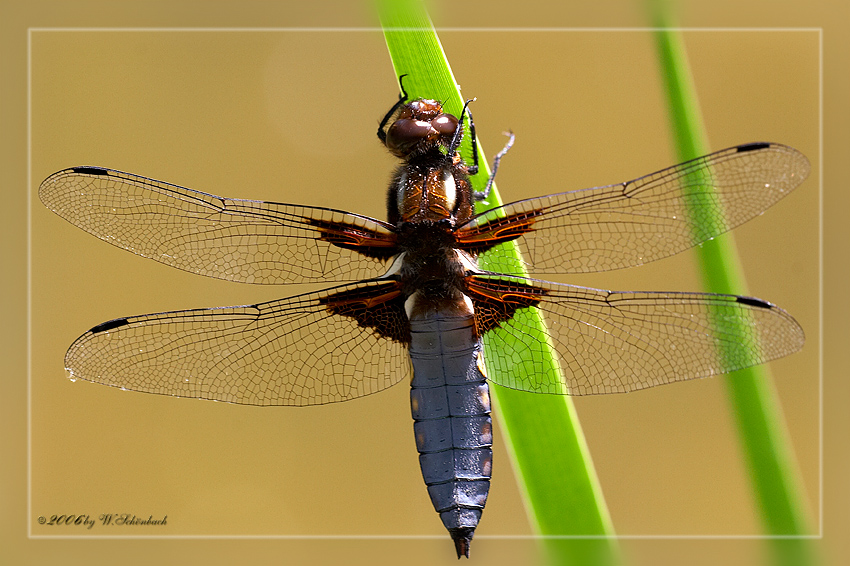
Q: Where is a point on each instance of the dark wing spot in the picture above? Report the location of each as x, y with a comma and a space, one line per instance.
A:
497, 300
90, 170
378, 307
754, 302
752, 147
109, 325
348, 236
479, 239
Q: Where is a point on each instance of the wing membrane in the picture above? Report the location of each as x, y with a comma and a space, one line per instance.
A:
639, 221
614, 342
237, 240
292, 351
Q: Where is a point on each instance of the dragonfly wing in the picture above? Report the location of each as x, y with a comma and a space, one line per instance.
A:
334, 345
236, 240
639, 221
614, 342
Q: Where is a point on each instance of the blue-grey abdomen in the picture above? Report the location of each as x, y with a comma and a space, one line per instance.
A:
450, 402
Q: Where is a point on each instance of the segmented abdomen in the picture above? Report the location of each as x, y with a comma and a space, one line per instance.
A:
450, 402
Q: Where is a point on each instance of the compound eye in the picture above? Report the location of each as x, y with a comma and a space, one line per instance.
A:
405, 133
444, 124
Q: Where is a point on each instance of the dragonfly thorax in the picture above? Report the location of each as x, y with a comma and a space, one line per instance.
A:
430, 264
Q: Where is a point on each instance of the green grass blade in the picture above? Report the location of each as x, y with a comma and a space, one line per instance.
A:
752, 397
543, 434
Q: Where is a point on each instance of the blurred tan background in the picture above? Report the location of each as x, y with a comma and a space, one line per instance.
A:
290, 116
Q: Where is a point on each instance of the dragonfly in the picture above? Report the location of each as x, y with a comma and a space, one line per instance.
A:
411, 300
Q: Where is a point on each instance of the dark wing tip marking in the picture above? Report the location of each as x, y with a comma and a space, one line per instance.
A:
753, 302
109, 325
90, 170
752, 146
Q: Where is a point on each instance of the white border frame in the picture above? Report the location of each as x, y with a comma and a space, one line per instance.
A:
820, 511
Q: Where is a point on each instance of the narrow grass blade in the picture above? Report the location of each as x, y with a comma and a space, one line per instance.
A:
550, 456
752, 397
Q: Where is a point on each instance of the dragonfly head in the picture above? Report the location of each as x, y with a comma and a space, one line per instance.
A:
420, 126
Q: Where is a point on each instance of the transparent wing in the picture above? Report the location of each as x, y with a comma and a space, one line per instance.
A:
614, 342
237, 240
288, 352
639, 221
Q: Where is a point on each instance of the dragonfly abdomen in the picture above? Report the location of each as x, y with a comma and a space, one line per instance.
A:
450, 402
